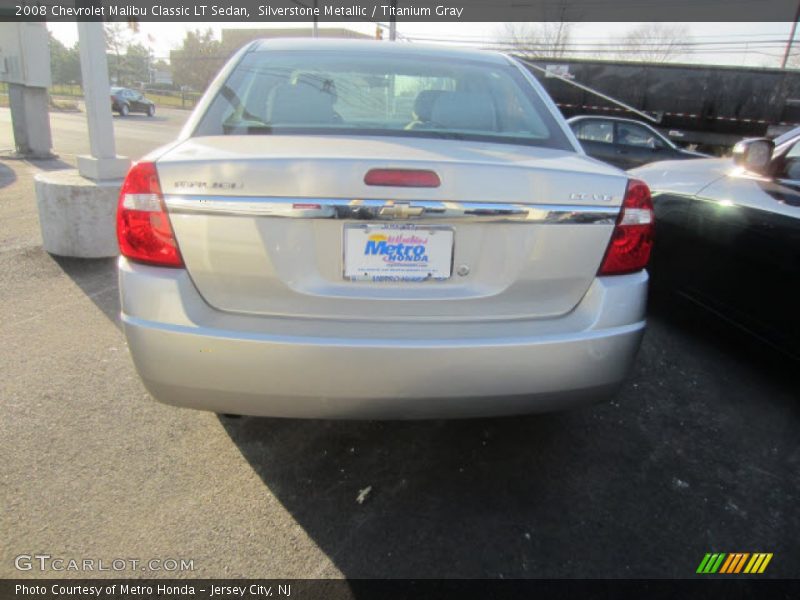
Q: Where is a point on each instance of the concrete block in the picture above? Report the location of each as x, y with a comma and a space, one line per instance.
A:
77, 215
103, 168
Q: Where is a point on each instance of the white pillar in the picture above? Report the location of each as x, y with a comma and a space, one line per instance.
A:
30, 120
77, 207
25, 66
103, 163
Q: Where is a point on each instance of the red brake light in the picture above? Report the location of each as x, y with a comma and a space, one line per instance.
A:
632, 240
402, 178
143, 228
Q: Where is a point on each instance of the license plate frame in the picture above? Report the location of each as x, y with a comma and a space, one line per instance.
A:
381, 262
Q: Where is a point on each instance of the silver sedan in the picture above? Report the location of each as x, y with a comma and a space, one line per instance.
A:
376, 230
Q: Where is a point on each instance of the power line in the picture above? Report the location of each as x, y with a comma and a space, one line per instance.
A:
589, 38
613, 44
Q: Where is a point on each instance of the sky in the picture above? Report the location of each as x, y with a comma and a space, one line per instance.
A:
743, 44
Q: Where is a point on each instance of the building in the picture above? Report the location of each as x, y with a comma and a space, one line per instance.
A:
161, 76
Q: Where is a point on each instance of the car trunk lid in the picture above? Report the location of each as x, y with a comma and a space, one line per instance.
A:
263, 221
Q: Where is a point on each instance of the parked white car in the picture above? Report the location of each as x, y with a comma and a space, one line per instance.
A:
373, 230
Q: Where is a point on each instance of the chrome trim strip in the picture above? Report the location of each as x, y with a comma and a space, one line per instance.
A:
389, 210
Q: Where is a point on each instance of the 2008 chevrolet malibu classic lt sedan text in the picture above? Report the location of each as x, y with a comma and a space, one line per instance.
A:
374, 230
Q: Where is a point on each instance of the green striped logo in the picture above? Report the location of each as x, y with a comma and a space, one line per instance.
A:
734, 563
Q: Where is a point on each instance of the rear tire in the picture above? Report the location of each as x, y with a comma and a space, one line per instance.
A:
151, 110
124, 110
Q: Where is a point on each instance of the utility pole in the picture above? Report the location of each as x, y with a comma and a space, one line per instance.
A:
791, 38
315, 27
393, 22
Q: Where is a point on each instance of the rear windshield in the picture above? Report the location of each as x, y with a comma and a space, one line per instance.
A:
310, 92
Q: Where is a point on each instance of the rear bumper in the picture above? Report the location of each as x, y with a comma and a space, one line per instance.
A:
191, 355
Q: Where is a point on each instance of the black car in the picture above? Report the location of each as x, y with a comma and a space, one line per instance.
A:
625, 143
126, 101
727, 236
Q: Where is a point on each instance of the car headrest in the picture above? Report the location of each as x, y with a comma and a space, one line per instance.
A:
464, 110
318, 82
299, 104
423, 104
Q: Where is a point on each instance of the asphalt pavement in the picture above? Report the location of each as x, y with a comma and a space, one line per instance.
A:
699, 453
135, 134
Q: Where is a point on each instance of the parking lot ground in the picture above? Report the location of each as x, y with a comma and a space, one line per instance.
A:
699, 453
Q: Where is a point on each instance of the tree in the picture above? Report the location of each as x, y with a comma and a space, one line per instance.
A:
538, 40
136, 64
655, 42
65, 63
128, 61
117, 40
198, 59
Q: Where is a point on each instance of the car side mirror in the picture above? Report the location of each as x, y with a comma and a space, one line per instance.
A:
754, 154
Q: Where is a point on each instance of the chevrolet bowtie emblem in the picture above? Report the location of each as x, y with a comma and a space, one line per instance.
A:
400, 210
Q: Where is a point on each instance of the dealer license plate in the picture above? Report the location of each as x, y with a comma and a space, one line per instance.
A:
397, 253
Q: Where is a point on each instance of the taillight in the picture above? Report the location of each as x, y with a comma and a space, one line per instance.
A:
632, 240
143, 228
402, 178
